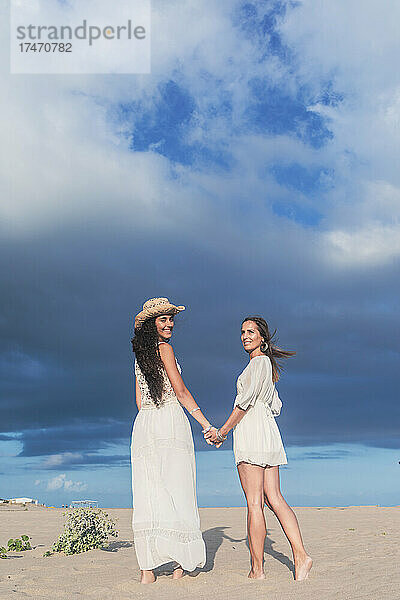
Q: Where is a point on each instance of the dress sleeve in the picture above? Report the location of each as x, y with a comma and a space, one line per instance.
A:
253, 379
276, 403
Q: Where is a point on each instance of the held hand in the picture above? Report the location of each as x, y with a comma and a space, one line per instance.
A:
205, 431
209, 442
211, 435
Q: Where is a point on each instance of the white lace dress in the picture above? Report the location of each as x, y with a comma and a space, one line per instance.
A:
256, 438
166, 524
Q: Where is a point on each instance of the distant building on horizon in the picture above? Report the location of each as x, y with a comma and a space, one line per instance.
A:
84, 504
23, 501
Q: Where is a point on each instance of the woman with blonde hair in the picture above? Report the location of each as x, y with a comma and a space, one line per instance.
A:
165, 518
258, 447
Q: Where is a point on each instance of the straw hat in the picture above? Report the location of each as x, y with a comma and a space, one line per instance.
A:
154, 308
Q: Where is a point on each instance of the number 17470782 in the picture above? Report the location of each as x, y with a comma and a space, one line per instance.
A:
45, 47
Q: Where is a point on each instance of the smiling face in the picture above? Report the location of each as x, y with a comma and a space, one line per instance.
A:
251, 337
164, 326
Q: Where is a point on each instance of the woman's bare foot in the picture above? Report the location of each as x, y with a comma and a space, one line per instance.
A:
178, 573
256, 575
302, 568
147, 577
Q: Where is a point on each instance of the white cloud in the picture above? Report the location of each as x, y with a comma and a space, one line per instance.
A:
367, 247
56, 460
56, 483
356, 48
356, 44
60, 481
70, 162
65, 163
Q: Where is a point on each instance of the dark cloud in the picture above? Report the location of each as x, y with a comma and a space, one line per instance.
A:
79, 437
330, 454
72, 461
66, 324
70, 292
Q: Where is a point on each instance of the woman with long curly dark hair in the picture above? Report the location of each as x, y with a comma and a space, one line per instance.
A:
258, 447
165, 519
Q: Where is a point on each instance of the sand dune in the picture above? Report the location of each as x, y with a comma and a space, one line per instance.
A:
356, 554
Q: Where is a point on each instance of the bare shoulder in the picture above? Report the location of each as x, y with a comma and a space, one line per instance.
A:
166, 351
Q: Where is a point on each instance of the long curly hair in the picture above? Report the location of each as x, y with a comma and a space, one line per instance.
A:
145, 347
272, 351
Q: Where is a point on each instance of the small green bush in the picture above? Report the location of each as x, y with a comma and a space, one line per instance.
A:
18, 545
85, 529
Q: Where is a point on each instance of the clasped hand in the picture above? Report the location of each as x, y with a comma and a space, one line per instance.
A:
211, 437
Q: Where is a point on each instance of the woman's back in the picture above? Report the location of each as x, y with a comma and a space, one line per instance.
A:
165, 521
255, 385
168, 394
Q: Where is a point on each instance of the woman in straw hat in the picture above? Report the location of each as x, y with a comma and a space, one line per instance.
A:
165, 520
258, 447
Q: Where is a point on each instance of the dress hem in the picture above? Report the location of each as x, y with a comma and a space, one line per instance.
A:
172, 560
258, 464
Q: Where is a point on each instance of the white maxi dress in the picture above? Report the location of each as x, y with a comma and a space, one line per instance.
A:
166, 524
256, 438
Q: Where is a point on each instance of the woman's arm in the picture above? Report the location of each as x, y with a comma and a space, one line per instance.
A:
180, 389
138, 395
253, 378
234, 418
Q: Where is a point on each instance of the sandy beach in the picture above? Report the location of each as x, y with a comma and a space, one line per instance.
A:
356, 554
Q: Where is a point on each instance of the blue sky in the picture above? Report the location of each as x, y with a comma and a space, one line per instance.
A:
334, 475
254, 171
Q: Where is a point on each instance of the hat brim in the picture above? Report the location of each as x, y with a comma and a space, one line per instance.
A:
170, 309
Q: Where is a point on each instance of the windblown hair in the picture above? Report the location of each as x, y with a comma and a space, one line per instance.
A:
272, 351
145, 347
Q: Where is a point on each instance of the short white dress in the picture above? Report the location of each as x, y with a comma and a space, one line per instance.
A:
256, 438
166, 524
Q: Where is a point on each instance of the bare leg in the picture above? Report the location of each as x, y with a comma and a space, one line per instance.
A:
288, 521
147, 577
252, 479
178, 572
